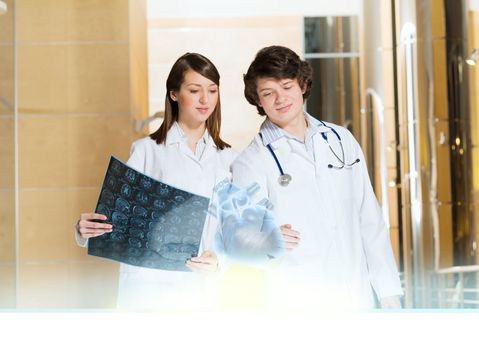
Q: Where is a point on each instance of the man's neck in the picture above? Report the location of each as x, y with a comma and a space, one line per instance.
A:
296, 127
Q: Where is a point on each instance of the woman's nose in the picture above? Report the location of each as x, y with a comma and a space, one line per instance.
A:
204, 97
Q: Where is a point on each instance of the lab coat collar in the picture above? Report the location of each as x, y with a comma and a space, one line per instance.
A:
177, 135
317, 124
270, 132
287, 147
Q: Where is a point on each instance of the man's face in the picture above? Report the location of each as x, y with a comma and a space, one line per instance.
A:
281, 99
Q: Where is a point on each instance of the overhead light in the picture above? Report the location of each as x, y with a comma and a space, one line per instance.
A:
473, 57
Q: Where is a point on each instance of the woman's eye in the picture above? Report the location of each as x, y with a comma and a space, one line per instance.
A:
213, 91
287, 87
266, 94
194, 91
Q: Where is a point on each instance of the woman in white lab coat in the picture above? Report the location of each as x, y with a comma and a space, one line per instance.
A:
188, 153
315, 176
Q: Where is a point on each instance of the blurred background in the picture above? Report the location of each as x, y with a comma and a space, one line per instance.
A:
82, 79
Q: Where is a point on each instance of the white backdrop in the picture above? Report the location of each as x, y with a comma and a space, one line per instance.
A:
228, 8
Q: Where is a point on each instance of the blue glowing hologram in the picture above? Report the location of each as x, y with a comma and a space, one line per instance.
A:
247, 232
155, 225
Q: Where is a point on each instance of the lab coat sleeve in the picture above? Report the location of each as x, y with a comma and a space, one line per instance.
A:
137, 159
232, 155
247, 169
82, 242
383, 273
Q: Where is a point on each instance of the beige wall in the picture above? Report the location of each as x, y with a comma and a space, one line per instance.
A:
76, 67
231, 44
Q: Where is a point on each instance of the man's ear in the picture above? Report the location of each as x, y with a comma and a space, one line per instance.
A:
173, 95
303, 88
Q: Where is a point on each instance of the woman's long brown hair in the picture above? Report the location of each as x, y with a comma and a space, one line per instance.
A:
201, 65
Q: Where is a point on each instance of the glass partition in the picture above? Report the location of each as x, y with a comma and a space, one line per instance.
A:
331, 47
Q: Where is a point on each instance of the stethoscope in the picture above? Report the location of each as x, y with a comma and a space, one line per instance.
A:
285, 178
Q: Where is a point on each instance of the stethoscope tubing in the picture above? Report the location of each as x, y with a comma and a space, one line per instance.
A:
330, 166
276, 160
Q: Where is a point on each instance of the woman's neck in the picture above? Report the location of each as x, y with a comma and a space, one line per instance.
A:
193, 132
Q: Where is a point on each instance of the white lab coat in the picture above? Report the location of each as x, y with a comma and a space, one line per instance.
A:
344, 249
175, 164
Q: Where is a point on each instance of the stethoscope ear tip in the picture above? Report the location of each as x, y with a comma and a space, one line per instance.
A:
330, 166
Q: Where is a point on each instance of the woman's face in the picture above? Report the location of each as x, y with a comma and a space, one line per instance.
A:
197, 98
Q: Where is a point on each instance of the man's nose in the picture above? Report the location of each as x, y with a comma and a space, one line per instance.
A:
280, 96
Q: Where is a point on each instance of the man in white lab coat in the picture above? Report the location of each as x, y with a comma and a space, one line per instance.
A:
314, 174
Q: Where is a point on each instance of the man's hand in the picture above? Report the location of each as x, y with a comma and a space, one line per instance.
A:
290, 237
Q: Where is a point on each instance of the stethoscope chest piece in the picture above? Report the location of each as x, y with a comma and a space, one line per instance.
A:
284, 179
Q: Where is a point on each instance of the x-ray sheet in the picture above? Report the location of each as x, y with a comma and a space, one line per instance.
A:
154, 225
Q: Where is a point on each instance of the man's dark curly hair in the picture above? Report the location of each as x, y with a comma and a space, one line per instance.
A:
277, 62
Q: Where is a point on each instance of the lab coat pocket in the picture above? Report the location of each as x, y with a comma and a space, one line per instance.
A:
341, 183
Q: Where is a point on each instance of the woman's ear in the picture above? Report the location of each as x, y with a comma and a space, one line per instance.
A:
173, 95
